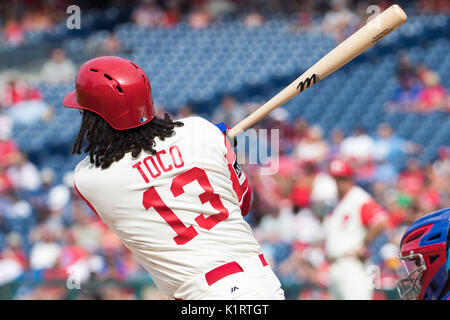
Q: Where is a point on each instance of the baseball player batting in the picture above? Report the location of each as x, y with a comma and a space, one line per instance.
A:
172, 191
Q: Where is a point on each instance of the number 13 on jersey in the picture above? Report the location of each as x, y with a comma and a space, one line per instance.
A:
185, 234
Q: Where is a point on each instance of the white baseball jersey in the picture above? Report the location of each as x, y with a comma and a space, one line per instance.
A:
179, 211
346, 226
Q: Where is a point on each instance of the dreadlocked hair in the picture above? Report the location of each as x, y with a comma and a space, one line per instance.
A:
106, 145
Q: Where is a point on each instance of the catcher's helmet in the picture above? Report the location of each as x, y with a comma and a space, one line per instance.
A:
424, 251
340, 169
115, 88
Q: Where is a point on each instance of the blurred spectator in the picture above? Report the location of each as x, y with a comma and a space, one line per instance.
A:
22, 103
184, 112
300, 128
115, 266
58, 69
61, 195
16, 209
6, 123
304, 17
287, 136
253, 19
14, 34
433, 95
46, 250
229, 112
340, 21
86, 230
104, 43
172, 14
359, 146
337, 136
440, 173
110, 45
266, 194
385, 172
5, 183
23, 174
412, 178
405, 96
14, 249
219, 8
433, 6
405, 68
421, 71
302, 188
429, 199
148, 14
10, 269
71, 257
17, 91
41, 202
388, 146
313, 147
30, 111
199, 18
314, 189
8, 152
323, 194
276, 231
37, 20
308, 227
420, 89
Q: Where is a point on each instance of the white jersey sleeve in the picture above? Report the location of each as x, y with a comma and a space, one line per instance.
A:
179, 211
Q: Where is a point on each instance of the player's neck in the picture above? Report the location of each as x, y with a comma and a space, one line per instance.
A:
343, 191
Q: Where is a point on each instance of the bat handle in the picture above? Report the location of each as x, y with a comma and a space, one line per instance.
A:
232, 139
233, 132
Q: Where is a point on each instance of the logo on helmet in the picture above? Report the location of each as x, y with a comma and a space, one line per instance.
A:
143, 117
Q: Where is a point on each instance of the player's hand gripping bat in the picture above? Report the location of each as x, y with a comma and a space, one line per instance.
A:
361, 40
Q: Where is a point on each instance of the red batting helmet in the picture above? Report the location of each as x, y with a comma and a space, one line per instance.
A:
340, 169
116, 89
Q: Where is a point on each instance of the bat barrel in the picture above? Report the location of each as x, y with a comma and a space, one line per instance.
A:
360, 41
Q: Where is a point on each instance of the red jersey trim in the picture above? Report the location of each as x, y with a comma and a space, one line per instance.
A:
86, 201
243, 190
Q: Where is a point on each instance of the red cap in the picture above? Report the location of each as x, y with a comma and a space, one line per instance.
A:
116, 89
340, 169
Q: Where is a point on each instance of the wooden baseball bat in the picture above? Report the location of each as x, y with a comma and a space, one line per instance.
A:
375, 30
